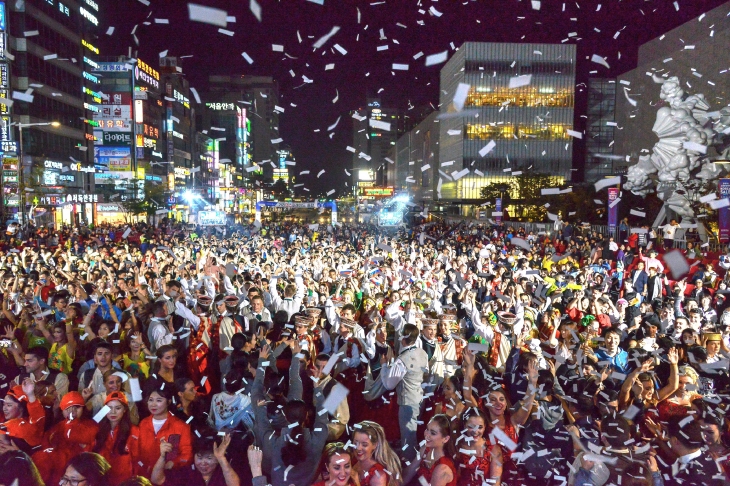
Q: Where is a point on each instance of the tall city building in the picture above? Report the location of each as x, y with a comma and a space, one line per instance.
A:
697, 53
504, 129
242, 114
375, 129
47, 51
415, 156
600, 127
144, 135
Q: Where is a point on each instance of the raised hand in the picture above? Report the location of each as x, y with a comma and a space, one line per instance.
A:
219, 451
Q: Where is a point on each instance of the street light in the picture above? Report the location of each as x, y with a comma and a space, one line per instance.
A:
21, 194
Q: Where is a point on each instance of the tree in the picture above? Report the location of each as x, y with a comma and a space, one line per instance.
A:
523, 194
280, 190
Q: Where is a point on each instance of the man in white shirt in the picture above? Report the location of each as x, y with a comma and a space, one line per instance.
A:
406, 375
293, 296
668, 231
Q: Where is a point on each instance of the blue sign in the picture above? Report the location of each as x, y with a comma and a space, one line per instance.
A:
171, 201
2, 16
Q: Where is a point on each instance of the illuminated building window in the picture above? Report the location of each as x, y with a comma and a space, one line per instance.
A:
546, 131
528, 97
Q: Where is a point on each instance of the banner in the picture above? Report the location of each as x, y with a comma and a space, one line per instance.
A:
211, 218
498, 209
723, 214
612, 209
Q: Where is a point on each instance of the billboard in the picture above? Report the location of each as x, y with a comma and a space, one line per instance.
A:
211, 218
114, 158
378, 191
103, 137
723, 214
115, 113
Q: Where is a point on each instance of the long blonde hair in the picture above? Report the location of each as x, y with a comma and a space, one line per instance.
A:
383, 454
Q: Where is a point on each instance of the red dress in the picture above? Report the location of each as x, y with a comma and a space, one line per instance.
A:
376, 471
510, 468
425, 472
474, 472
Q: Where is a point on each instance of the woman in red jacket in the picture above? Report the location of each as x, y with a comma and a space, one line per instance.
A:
24, 414
68, 438
118, 440
162, 424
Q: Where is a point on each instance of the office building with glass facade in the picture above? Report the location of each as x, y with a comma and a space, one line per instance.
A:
528, 124
48, 49
600, 127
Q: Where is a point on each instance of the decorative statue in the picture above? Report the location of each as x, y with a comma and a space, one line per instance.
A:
684, 127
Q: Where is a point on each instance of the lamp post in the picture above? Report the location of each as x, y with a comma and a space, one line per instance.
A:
21, 169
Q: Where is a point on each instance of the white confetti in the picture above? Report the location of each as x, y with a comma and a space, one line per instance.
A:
487, 148
255, 9
462, 91
438, 58
599, 60
206, 15
323, 40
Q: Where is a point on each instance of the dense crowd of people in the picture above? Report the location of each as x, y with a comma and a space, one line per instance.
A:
466, 354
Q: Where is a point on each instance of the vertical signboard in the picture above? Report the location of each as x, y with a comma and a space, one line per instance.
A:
612, 209
498, 210
723, 214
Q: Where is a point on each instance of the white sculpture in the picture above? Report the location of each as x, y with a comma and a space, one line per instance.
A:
683, 128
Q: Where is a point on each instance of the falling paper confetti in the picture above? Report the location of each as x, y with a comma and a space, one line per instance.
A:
206, 15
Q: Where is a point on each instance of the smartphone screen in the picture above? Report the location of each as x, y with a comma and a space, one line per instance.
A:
173, 439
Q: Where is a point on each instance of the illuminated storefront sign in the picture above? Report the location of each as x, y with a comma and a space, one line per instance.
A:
138, 111
181, 172
8, 146
221, 106
114, 138
93, 108
90, 47
93, 123
113, 66
81, 168
87, 15
49, 164
2, 16
151, 131
91, 77
91, 63
2, 45
5, 128
92, 93
378, 191
82, 198
92, 4
4, 75
4, 109
143, 72
182, 99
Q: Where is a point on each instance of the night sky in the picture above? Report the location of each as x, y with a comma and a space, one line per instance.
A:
460, 21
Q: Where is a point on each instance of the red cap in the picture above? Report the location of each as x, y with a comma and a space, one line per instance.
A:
72, 399
17, 393
119, 396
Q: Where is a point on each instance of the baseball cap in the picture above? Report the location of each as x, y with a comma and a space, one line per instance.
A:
116, 395
72, 399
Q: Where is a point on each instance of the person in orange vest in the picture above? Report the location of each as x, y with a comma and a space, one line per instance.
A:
68, 438
118, 439
24, 417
